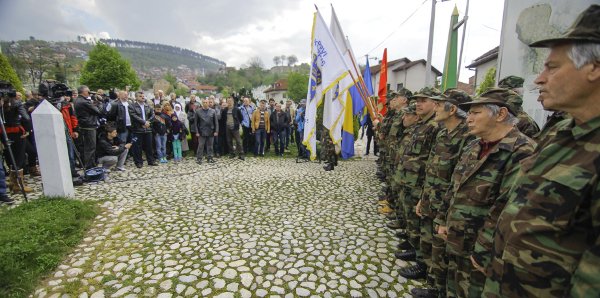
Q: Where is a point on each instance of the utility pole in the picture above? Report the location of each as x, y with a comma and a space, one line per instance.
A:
428, 82
462, 42
430, 45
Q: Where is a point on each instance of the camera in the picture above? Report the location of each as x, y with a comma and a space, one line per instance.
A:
7, 90
54, 92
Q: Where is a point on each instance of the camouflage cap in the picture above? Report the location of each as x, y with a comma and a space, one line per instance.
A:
497, 96
585, 29
453, 96
404, 92
411, 108
390, 95
427, 92
511, 82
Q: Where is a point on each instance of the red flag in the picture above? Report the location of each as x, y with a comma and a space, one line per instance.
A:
382, 91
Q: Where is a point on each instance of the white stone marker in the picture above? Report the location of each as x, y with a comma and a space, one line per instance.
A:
51, 145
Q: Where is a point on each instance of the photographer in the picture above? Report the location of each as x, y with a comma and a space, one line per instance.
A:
111, 151
72, 127
87, 115
17, 124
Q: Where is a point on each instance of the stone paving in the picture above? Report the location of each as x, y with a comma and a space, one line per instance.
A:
255, 228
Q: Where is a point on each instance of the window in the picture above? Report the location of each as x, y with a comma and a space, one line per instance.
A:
399, 86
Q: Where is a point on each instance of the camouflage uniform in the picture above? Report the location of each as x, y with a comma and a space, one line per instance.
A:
440, 165
411, 173
477, 184
328, 153
547, 238
551, 121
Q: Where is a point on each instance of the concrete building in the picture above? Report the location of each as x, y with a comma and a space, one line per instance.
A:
404, 73
482, 64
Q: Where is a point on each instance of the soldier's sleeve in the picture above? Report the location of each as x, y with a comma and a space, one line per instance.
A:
586, 279
482, 252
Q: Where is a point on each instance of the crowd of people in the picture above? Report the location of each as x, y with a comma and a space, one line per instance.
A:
106, 129
485, 203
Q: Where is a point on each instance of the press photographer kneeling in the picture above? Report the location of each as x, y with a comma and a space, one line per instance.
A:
111, 151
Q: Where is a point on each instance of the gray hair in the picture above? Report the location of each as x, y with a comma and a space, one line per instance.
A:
495, 110
81, 88
584, 53
459, 112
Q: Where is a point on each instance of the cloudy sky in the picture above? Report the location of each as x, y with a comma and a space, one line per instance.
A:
236, 30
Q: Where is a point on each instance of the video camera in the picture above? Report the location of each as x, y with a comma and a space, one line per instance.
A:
7, 90
53, 91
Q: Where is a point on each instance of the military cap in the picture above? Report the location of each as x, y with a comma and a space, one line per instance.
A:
391, 95
511, 82
427, 92
497, 96
585, 29
453, 96
404, 92
411, 108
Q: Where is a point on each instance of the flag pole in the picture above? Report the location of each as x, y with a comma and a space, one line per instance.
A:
362, 89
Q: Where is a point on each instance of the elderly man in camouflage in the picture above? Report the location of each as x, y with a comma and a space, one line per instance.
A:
479, 178
547, 238
447, 148
526, 124
411, 172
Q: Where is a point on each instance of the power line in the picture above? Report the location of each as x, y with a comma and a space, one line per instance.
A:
396, 30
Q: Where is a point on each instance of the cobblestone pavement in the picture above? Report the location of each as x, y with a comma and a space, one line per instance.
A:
254, 228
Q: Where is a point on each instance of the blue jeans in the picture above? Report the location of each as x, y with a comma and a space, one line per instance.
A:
261, 137
161, 146
123, 136
279, 140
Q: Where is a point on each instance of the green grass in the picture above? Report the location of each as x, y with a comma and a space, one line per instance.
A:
35, 237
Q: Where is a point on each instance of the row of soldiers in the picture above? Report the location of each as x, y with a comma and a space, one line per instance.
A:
486, 203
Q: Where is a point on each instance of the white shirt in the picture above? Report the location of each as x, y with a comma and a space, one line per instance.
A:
143, 111
127, 119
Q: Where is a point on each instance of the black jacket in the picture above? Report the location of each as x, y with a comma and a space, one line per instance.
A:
117, 114
16, 115
206, 121
279, 121
237, 117
137, 121
105, 146
87, 113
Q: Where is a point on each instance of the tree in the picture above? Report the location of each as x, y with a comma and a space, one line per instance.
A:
282, 57
60, 73
292, 59
297, 85
488, 82
256, 62
107, 69
7, 73
171, 79
276, 60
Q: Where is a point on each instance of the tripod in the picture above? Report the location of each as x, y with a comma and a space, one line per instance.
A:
12, 157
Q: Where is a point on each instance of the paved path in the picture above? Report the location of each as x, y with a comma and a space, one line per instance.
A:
263, 227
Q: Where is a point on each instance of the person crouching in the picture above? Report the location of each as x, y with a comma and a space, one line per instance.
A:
111, 150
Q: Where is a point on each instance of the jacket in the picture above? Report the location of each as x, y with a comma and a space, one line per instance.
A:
117, 114
237, 117
280, 121
137, 121
161, 124
256, 120
105, 146
70, 120
206, 122
16, 115
87, 113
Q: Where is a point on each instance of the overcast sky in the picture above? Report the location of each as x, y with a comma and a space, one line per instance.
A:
234, 31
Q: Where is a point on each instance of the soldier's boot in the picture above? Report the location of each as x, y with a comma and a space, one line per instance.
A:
385, 209
424, 292
34, 172
394, 224
417, 271
402, 234
406, 255
405, 245
335, 160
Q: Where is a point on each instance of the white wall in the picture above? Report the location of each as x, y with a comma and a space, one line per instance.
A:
482, 69
526, 21
412, 78
277, 95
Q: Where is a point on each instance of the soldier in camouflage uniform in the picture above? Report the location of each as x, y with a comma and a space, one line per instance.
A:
444, 155
411, 174
526, 124
478, 179
547, 238
390, 143
382, 132
328, 153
